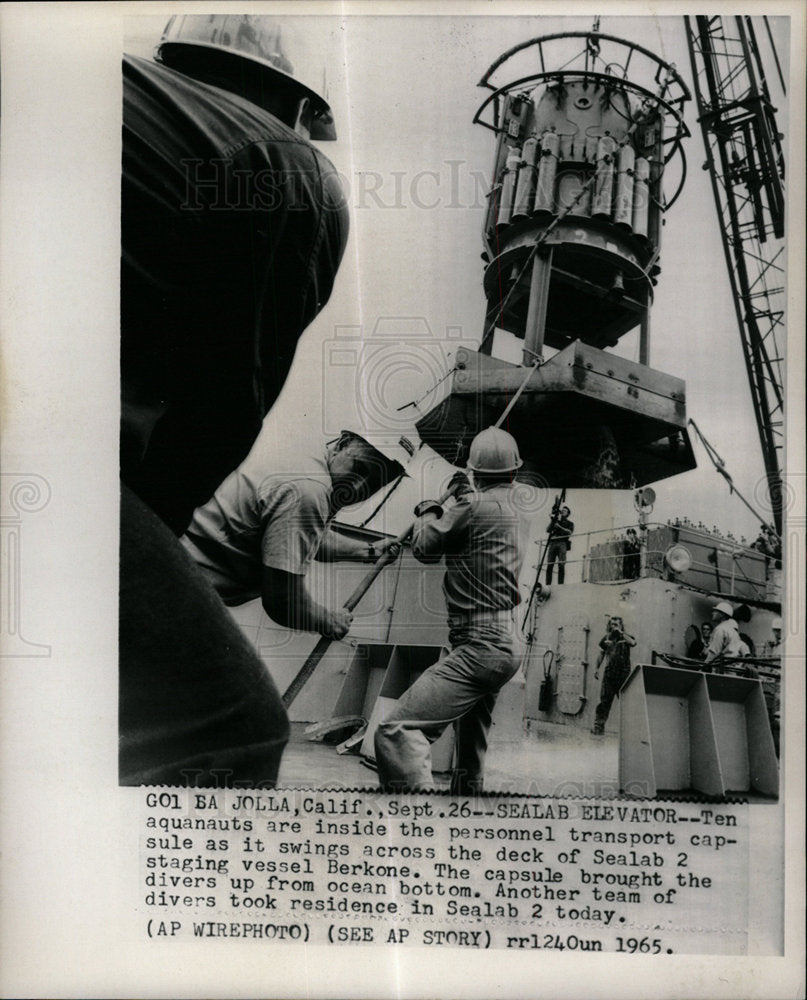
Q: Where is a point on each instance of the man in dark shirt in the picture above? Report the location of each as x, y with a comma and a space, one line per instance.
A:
615, 647
483, 537
560, 530
696, 650
233, 228
632, 548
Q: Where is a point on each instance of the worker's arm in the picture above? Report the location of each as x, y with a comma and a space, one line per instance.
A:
715, 647
286, 600
598, 664
335, 548
434, 534
292, 534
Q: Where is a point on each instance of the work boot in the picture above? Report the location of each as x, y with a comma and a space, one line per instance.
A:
597, 729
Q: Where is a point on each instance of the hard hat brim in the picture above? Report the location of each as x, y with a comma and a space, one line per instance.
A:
484, 469
323, 127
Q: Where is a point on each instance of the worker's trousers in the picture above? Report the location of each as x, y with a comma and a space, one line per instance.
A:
197, 707
612, 680
461, 688
556, 554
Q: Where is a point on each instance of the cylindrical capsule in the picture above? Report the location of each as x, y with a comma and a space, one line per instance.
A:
508, 186
604, 184
592, 141
547, 169
641, 196
623, 206
654, 191
526, 178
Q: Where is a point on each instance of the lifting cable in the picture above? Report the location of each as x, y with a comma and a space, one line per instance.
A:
407, 444
720, 466
384, 499
500, 312
506, 411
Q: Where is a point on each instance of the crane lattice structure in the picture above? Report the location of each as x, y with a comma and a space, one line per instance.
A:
746, 165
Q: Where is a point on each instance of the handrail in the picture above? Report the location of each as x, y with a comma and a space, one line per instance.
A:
739, 576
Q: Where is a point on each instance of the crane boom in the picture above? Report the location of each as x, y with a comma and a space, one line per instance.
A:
746, 165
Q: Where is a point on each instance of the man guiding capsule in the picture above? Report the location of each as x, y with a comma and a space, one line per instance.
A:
483, 537
257, 535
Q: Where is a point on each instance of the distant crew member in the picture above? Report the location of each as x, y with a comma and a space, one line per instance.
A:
697, 648
772, 689
769, 544
632, 547
774, 646
483, 537
560, 530
615, 647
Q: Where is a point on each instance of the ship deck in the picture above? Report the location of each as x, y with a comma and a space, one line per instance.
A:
552, 760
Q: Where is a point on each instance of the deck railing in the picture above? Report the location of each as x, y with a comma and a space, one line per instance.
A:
715, 563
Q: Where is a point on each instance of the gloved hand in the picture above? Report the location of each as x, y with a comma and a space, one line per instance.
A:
459, 484
429, 507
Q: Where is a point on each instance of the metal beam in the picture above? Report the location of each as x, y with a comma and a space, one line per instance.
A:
744, 158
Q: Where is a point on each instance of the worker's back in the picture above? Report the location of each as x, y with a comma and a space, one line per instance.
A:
483, 538
233, 227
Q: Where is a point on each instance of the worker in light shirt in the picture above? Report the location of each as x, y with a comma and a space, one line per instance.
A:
197, 704
725, 640
260, 531
482, 536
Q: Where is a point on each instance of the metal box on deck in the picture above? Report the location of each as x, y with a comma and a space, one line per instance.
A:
683, 730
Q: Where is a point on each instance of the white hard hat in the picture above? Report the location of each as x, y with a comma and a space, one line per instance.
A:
275, 43
724, 608
494, 450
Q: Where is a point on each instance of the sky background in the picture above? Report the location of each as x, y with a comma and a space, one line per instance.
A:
404, 93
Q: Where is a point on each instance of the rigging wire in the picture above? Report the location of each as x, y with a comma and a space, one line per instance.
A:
720, 466
775, 54
384, 499
415, 402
